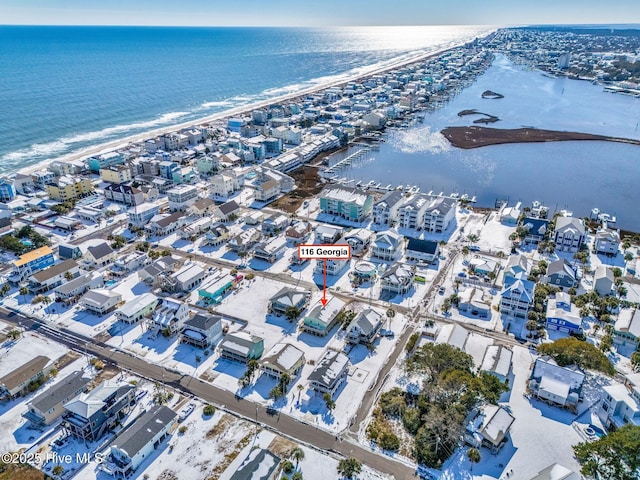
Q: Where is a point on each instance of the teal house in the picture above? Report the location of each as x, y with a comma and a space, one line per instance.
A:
214, 289
349, 203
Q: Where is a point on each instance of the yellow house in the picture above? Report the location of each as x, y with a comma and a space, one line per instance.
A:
116, 174
68, 188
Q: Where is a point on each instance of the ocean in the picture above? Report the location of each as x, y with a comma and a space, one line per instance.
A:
63, 89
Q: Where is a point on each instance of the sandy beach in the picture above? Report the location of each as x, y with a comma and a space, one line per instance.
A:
241, 110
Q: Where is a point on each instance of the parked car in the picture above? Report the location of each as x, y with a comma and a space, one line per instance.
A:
186, 411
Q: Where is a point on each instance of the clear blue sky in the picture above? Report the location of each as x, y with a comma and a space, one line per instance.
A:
316, 12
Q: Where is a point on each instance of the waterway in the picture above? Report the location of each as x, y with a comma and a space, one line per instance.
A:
577, 176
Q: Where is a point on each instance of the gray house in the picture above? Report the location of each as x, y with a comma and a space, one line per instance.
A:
49, 405
561, 274
364, 326
202, 330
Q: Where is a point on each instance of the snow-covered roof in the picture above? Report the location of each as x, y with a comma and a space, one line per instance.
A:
556, 471
86, 404
497, 359
546, 367
329, 368
629, 321
138, 303
454, 335
283, 357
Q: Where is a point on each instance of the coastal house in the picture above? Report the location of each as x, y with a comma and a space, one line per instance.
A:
182, 197
217, 234
385, 210
132, 446
124, 194
535, 229
116, 174
185, 279
626, 330
47, 407
569, 234
90, 415
517, 297
607, 242
364, 326
327, 234
283, 358
7, 190
473, 301
202, 330
288, 298
510, 215
489, 428
561, 273
202, 207
226, 184
621, 403
562, 315
322, 318
170, 315
226, 212
603, 281
141, 214
260, 464
54, 276
349, 203
397, 279
214, 288
142, 306
387, 245
66, 188
497, 361
100, 301
555, 471
483, 266
241, 347
70, 291
98, 162
298, 233
556, 385
31, 262
274, 224
18, 380
123, 265
421, 251
99, 255
330, 373
359, 239
165, 224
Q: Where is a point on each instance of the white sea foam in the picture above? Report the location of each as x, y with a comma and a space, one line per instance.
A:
65, 144
420, 140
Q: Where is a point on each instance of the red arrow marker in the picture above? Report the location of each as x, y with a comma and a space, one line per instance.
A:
324, 290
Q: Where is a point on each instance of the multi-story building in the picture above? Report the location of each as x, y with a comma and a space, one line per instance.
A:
49, 405
141, 214
241, 347
68, 188
322, 318
569, 234
517, 297
349, 203
202, 330
607, 241
330, 373
7, 190
182, 196
283, 358
129, 449
621, 403
95, 164
398, 279
90, 415
116, 174
170, 315
30, 263
42, 177
124, 194
226, 184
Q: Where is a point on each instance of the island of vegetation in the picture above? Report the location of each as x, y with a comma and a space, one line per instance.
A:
475, 137
486, 118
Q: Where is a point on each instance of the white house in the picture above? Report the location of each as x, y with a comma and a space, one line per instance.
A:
171, 314
138, 308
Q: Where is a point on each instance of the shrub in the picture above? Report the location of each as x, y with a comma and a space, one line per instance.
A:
182, 430
209, 410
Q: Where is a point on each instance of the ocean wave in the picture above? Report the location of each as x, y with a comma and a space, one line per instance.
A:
219, 103
67, 143
421, 140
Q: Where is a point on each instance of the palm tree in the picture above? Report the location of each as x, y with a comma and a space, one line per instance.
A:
68, 276
14, 334
328, 401
474, 455
297, 454
390, 314
5, 289
300, 387
24, 291
349, 467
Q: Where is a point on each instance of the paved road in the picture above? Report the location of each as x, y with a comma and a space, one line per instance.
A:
283, 424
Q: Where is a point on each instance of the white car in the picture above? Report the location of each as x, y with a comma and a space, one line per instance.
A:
186, 411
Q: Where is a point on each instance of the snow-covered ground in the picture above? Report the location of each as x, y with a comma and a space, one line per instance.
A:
314, 466
540, 435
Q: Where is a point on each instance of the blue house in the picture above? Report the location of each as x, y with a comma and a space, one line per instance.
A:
562, 315
536, 229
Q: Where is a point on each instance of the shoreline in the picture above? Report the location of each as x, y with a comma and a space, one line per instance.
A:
240, 110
